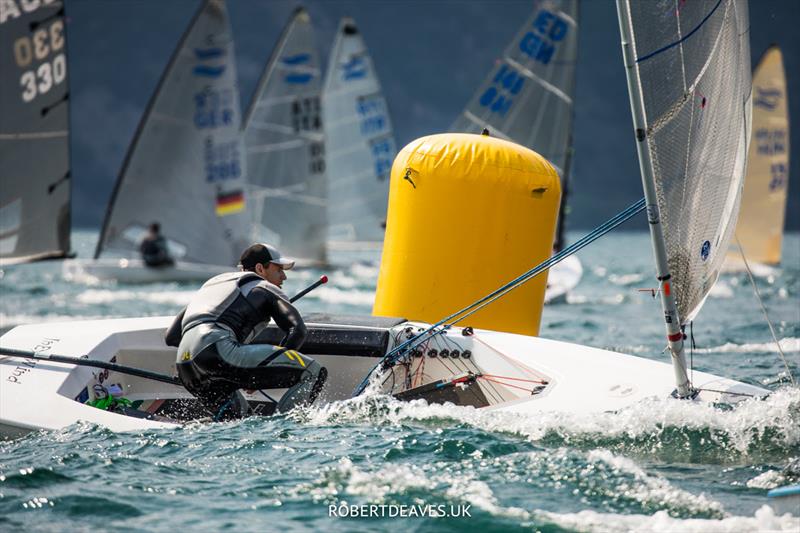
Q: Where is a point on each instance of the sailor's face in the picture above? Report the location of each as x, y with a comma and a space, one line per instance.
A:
272, 272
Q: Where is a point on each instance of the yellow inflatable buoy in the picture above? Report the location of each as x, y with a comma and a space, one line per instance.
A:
467, 214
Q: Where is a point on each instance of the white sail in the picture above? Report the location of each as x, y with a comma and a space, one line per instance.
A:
692, 81
184, 168
34, 133
527, 97
285, 148
359, 141
760, 226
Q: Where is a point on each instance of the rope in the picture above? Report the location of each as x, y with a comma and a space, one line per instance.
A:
764, 310
476, 306
540, 382
506, 384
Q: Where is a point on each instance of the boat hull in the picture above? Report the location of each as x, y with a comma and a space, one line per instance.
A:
509, 372
562, 278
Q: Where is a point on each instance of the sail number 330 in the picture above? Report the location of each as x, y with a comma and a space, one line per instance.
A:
38, 47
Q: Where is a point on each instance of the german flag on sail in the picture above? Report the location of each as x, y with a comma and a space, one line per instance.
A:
229, 203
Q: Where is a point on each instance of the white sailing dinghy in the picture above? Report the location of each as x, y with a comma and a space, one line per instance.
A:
285, 147
760, 226
477, 367
34, 136
689, 84
528, 99
359, 145
184, 168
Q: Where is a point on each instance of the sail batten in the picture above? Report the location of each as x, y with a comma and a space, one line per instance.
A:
185, 161
285, 147
35, 188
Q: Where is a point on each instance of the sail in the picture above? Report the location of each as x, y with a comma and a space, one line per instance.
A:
359, 141
184, 168
760, 226
692, 61
527, 97
285, 149
34, 133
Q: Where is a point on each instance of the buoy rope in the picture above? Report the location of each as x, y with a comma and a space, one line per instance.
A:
447, 322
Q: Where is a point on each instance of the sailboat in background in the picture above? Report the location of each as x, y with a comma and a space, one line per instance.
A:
528, 98
359, 144
760, 227
284, 141
184, 168
35, 180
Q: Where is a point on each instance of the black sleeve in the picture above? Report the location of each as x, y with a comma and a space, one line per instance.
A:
285, 315
289, 320
174, 333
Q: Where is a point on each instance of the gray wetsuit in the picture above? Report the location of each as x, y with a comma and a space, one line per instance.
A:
214, 360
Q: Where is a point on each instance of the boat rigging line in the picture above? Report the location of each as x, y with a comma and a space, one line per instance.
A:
444, 324
764, 310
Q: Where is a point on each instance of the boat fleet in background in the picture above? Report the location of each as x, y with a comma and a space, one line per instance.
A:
306, 167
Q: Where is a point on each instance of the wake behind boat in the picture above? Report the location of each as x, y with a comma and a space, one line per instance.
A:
184, 168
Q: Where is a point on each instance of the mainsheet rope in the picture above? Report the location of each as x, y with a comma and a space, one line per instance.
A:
446, 323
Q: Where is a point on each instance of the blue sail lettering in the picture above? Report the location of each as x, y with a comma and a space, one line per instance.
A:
537, 49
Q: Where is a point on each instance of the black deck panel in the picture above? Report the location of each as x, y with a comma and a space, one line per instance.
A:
361, 336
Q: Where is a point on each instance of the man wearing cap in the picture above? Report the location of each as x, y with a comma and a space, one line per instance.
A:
212, 333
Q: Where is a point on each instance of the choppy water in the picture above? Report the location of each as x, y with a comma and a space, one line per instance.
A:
659, 466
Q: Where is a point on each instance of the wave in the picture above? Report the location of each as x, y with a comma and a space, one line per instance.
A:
666, 428
347, 297
764, 519
96, 296
788, 345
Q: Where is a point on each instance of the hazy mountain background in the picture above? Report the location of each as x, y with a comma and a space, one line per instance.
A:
430, 56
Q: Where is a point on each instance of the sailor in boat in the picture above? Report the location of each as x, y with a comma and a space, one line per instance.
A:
154, 248
214, 359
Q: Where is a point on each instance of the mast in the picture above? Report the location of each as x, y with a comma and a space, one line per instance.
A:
668, 304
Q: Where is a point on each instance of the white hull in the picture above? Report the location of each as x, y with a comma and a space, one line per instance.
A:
135, 271
562, 278
44, 395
